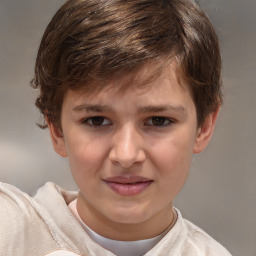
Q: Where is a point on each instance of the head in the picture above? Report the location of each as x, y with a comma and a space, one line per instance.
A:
130, 90
88, 44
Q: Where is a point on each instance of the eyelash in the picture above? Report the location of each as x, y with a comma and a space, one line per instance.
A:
149, 122
89, 121
166, 121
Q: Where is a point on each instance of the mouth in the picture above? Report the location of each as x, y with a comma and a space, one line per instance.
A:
128, 186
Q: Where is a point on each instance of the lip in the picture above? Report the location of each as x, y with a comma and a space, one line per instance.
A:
128, 185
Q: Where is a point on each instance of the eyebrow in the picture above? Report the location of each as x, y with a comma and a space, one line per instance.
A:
93, 108
162, 108
147, 109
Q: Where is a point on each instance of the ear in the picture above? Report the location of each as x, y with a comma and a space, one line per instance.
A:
205, 132
57, 139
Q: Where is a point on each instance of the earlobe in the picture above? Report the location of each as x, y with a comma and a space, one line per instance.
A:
57, 139
205, 132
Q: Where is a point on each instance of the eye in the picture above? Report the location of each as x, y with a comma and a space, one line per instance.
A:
97, 121
159, 121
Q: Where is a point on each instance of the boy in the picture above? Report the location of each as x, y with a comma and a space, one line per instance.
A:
129, 90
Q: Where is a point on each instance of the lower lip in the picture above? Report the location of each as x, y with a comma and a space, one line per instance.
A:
128, 189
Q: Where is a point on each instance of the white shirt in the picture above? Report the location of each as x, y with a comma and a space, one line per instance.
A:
44, 225
120, 248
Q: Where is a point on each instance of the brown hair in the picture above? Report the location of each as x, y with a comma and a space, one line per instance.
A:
90, 41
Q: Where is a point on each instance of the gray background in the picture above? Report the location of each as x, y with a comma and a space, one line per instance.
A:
220, 193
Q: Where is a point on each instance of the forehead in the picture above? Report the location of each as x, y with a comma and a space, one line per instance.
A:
142, 87
152, 74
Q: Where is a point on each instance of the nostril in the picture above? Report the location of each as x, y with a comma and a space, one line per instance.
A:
127, 148
127, 160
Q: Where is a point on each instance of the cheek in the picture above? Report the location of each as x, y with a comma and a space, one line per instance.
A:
173, 153
172, 159
86, 156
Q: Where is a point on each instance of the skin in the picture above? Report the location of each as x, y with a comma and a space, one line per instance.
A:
147, 133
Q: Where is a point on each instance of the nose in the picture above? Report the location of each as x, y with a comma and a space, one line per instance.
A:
127, 147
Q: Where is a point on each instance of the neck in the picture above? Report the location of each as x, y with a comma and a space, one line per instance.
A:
149, 228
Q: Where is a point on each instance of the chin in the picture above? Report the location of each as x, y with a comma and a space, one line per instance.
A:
129, 219
129, 216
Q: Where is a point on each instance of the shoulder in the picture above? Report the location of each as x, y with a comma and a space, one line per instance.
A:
18, 209
17, 212
201, 243
25, 223
186, 239
13, 201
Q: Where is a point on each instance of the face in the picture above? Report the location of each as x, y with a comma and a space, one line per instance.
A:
130, 152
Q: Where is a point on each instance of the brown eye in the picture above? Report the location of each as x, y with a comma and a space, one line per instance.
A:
159, 121
97, 121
